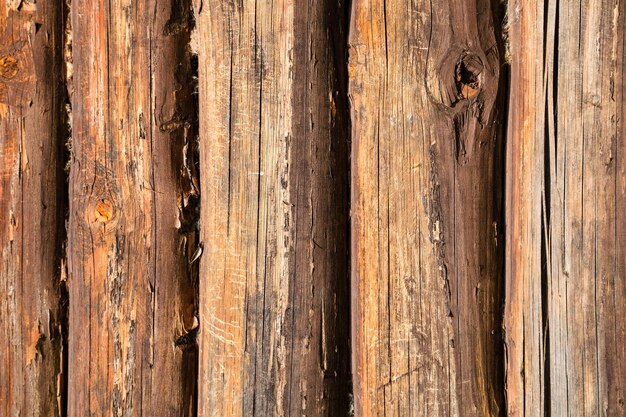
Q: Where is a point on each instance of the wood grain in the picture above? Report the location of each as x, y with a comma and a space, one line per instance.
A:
427, 192
568, 351
525, 254
274, 147
131, 225
32, 205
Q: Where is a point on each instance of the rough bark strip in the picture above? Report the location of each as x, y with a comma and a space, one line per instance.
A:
131, 228
274, 156
32, 202
426, 208
568, 58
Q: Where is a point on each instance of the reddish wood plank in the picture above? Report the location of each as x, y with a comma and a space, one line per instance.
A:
32, 205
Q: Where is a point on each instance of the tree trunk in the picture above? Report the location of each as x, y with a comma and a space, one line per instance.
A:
427, 208
32, 202
274, 157
567, 291
131, 226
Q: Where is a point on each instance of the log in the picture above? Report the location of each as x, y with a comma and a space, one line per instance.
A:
32, 207
426, 90
132, 228
274, 131
568, 354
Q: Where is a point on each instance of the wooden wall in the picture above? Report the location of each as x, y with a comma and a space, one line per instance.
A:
312, 208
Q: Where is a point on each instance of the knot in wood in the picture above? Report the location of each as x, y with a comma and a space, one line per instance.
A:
104, 210
467, 76
8, 67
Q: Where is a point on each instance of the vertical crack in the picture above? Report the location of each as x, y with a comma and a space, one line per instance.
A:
193, 217
549, 158
499, 8
187, 78
343, 128
183, 128
65, 153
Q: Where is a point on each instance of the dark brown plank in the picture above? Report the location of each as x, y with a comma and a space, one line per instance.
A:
427, 160
32, 205
274, 272
131, 225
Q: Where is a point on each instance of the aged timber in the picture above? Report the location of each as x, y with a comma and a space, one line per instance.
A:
274, 281
427, 117
132, 195
32, 205
566, 292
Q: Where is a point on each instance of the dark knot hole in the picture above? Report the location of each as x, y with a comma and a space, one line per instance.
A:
468, 76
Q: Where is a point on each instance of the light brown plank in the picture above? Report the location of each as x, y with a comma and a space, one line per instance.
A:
586, 287
566, 291
426, 208
274, 272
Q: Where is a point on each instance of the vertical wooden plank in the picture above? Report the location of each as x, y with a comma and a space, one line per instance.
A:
566, 290
32, 202
586, 282
530, 25
130, 234
426, 208
274, 272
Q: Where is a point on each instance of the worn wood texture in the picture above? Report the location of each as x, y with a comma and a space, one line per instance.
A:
31, 207
274, 155
131, 233
525, 201
567, 102
426, 208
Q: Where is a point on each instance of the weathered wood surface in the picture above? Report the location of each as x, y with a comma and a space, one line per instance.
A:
102, 256
525, 193
567, 355
131, 232
31, 207
426, 208
274, 313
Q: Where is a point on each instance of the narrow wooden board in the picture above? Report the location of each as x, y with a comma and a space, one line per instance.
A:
32, 205
427, 196
131, 345
525, 199
274, 155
